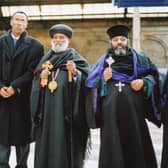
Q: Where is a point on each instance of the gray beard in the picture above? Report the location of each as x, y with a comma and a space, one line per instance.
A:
59, 48
120, 52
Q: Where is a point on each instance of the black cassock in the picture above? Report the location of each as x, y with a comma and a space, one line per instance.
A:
51, 115
125, 138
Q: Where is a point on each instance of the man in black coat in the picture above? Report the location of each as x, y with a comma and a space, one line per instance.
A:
164, 110
19, 54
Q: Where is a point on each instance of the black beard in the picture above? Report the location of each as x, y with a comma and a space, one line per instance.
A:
119, 52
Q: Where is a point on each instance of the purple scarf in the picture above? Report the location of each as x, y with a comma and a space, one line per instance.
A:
96, 76
96, 73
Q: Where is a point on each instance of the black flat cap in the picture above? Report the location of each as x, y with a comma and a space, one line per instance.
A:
119, 30
60, 28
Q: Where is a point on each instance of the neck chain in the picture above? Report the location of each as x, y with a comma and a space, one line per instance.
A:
52, 86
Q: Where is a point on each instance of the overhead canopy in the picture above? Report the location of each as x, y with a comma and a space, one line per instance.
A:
34, 4
77, 9
47, 2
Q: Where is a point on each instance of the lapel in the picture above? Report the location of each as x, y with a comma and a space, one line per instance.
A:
8, 47
22, 44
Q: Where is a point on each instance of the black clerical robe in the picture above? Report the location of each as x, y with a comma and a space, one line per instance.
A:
120, 114
51, 114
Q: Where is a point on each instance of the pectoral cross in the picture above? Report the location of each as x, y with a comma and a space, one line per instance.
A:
120, 85
110, 61
45, 66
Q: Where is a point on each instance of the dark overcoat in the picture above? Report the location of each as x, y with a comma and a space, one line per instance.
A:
16, 70
164, 116
164, 101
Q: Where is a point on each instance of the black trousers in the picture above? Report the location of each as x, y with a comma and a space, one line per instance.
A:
164, 161
22, 152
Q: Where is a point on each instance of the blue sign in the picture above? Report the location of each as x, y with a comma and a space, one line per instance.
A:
140, 3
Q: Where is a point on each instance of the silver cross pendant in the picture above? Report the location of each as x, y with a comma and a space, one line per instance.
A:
120, 85
110, 61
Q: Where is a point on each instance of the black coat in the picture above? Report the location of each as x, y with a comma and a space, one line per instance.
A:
164, 101
16, 70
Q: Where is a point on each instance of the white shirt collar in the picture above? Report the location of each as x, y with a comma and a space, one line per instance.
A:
14, 37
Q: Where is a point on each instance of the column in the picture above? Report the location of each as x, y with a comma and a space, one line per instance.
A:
136, 29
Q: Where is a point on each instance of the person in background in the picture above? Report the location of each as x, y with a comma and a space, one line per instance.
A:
164, 117
57, 104
123, 90
19, 55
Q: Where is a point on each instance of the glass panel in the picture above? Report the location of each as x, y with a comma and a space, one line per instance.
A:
60, 9
29, 10
81, 11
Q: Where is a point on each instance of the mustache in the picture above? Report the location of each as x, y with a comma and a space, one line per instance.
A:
120, 45
58, 44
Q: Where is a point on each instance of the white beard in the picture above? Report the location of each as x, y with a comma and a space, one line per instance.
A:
59, 47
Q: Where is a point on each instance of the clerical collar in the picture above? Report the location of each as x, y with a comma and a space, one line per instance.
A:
60, 52
14, 37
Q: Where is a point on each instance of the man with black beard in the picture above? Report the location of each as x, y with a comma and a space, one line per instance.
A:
122, 91
57, 104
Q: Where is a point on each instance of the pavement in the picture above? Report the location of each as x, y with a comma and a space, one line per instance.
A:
92, 161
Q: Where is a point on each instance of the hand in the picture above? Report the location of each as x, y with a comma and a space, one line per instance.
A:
3, 92
107, 74
7, 92
10, 91
44, 74
44, 77
137, 84
71, 66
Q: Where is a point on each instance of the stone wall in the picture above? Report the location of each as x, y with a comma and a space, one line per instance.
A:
91, 41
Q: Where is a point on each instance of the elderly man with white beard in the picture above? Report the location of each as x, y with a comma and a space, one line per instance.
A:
122, 91
57, 104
